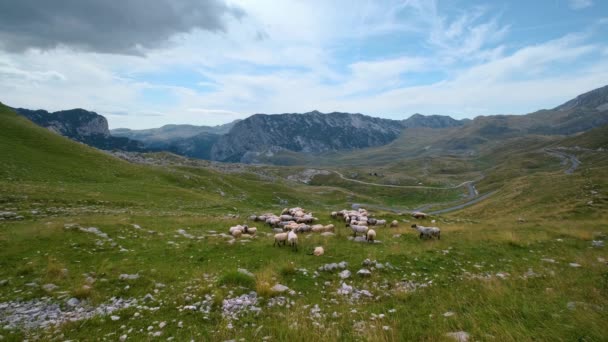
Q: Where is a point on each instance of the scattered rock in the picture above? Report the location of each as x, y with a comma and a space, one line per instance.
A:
448, 314
459, 336
345, 274
597, 243
575, 265
49, 287
114, 318
128, 276
279, 288
73, 302
364, 272
245, 272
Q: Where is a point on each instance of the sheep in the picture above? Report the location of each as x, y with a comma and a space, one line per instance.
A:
370, 236
236, 228
292, 238
278, 238
372, 221
329, 227
358, 229
428, 232
419, 215
381, 223
303, 228
318, 251
285, 211
253, 218
394, 224
237, 233
250, 230
286, 218
334, 214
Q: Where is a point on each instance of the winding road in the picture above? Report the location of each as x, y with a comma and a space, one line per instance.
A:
473, 196
565, 158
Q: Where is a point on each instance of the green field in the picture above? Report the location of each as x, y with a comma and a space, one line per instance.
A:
501, 271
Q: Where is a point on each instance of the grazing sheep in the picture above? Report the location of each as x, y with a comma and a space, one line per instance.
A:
428, 232
237, 233
419, 215
253, 218
370, 236
292, 238
381, 223
250, 230
394, 224
285, 211
334, 214
303, 228
236, 228
358, 229
286, 218
372, 221
278, 238
318, 251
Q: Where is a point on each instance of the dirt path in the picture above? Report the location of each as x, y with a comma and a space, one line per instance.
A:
565, 159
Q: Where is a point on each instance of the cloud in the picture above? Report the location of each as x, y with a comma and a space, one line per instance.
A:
120, 27
580, 4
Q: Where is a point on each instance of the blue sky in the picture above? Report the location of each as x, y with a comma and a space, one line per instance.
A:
382, 58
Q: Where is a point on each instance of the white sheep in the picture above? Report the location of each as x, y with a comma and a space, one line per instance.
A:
250, 230
334, 214
370, 236
381, 223
428, 232
318, 251
358, 229
278, 238
419, 215
236, 228
237, 233
292, 239
394, 224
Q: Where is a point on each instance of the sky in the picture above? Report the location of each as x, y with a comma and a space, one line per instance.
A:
147, 63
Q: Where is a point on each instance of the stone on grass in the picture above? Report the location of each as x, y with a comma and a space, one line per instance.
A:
73, 302
575, 265
245, 272
345, 274
364, 272
49, 287
460, 336
279, 288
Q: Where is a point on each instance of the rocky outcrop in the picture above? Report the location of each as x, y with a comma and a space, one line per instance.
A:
83, 126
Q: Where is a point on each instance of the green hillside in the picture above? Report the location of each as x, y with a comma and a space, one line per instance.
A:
523, 264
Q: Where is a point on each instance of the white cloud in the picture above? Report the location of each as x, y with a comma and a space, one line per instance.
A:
580, 4
297, 67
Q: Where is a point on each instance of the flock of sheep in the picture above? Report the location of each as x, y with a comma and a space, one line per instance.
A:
292, 221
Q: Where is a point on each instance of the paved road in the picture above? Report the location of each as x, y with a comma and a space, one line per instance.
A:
565, 158
472, 197
406, 186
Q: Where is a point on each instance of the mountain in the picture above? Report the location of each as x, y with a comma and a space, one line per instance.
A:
165, 135
596, 99
81, 125
432, 121
308, 132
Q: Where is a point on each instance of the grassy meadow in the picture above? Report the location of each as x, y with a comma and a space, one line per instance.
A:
518, 266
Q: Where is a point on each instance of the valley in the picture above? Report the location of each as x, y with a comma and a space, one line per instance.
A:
135, 246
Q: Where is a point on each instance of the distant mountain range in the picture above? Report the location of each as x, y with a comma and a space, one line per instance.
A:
260, 137
186, 140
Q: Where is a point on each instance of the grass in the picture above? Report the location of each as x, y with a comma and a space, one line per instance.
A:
487, 269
